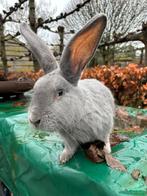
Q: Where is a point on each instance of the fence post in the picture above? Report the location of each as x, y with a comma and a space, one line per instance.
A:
61, 35
144, 30
2, 47
141, 56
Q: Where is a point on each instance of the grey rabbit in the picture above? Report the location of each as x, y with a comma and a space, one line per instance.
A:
79, 110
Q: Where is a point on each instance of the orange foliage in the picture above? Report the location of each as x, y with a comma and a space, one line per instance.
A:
128, 84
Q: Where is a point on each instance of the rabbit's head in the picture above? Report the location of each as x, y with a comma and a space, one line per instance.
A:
57, 100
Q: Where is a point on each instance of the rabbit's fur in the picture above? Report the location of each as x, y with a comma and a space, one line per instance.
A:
80, 110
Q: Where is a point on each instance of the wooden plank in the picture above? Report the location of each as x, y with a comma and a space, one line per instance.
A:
17, 59
14, 44
14, 53
16, 48
19, 63
13, 64
23, 69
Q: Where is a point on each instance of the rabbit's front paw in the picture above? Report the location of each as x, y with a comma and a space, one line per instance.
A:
107, 147
65, 155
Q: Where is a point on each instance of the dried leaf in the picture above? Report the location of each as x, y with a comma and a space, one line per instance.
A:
114, 163
135, 174
98, 155
116, 138
136, 129
94, 154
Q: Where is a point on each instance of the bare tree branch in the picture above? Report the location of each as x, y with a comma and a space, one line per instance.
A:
63, 15
13, 9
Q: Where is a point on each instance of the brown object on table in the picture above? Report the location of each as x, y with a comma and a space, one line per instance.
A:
15, 87
94, 154
99, 155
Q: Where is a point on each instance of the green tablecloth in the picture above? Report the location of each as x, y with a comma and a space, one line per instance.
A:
29, 163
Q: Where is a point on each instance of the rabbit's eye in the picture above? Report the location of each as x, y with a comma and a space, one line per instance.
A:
60, 92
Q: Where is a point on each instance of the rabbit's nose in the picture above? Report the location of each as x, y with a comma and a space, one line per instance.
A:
36, 123
33, 116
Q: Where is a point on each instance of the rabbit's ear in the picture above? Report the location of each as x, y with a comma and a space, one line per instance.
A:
81, 48
39, 49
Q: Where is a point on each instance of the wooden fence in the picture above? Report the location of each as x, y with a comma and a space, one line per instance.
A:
18, 57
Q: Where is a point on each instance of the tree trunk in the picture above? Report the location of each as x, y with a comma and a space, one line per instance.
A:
112, 55
104, 55
3, 48
141, 57
145, 56
32, 20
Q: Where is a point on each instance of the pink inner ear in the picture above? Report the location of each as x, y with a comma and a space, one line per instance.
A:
82, 48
